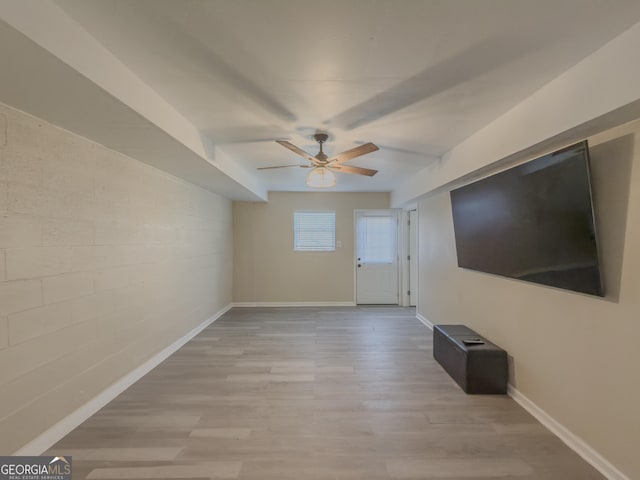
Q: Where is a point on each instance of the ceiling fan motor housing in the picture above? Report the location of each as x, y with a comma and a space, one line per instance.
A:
321, 137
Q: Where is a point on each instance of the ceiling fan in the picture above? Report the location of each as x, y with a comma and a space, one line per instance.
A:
322, 167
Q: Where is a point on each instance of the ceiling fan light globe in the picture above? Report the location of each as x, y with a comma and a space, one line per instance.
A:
321, 177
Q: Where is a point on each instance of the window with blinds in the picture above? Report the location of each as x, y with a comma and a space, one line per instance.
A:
314, 231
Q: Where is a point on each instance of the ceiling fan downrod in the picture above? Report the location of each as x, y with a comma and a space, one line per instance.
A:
321, 138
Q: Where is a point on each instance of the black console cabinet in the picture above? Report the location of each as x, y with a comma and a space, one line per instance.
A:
476, 368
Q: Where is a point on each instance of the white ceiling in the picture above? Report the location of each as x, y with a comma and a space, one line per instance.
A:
414, 77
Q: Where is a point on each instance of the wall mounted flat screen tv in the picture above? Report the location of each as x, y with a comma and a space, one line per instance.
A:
533, 222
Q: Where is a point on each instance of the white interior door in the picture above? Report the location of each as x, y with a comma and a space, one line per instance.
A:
413, 257
377, 257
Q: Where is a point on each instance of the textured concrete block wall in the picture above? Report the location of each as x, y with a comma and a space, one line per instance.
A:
104, 261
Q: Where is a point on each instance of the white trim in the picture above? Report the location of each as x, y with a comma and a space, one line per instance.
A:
355, 256
574, 442
424, 320
415, 289
293, 304
403, 252
55, 433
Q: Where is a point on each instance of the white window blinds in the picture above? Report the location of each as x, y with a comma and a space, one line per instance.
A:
314, 231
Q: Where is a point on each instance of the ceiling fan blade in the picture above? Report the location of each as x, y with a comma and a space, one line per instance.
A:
282, 166
357, 170
354, 152
297, 150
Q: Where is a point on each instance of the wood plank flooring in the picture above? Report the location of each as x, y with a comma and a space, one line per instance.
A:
313, 394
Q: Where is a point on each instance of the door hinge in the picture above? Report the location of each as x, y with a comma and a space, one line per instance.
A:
409, 292
409, 257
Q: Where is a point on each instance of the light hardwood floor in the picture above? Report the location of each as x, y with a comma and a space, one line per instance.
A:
313, 393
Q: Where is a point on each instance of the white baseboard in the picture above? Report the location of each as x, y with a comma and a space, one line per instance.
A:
293, 304
52, 435
424, 320
574, 442
55, 433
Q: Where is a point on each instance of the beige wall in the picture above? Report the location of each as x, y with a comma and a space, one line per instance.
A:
266, 269
575, 356
103, 262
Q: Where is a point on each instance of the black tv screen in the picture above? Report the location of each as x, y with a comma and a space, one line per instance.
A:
533, 222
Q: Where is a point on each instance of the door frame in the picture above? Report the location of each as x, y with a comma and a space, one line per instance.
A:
404, 249
404, 254
414, 287
399, 236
